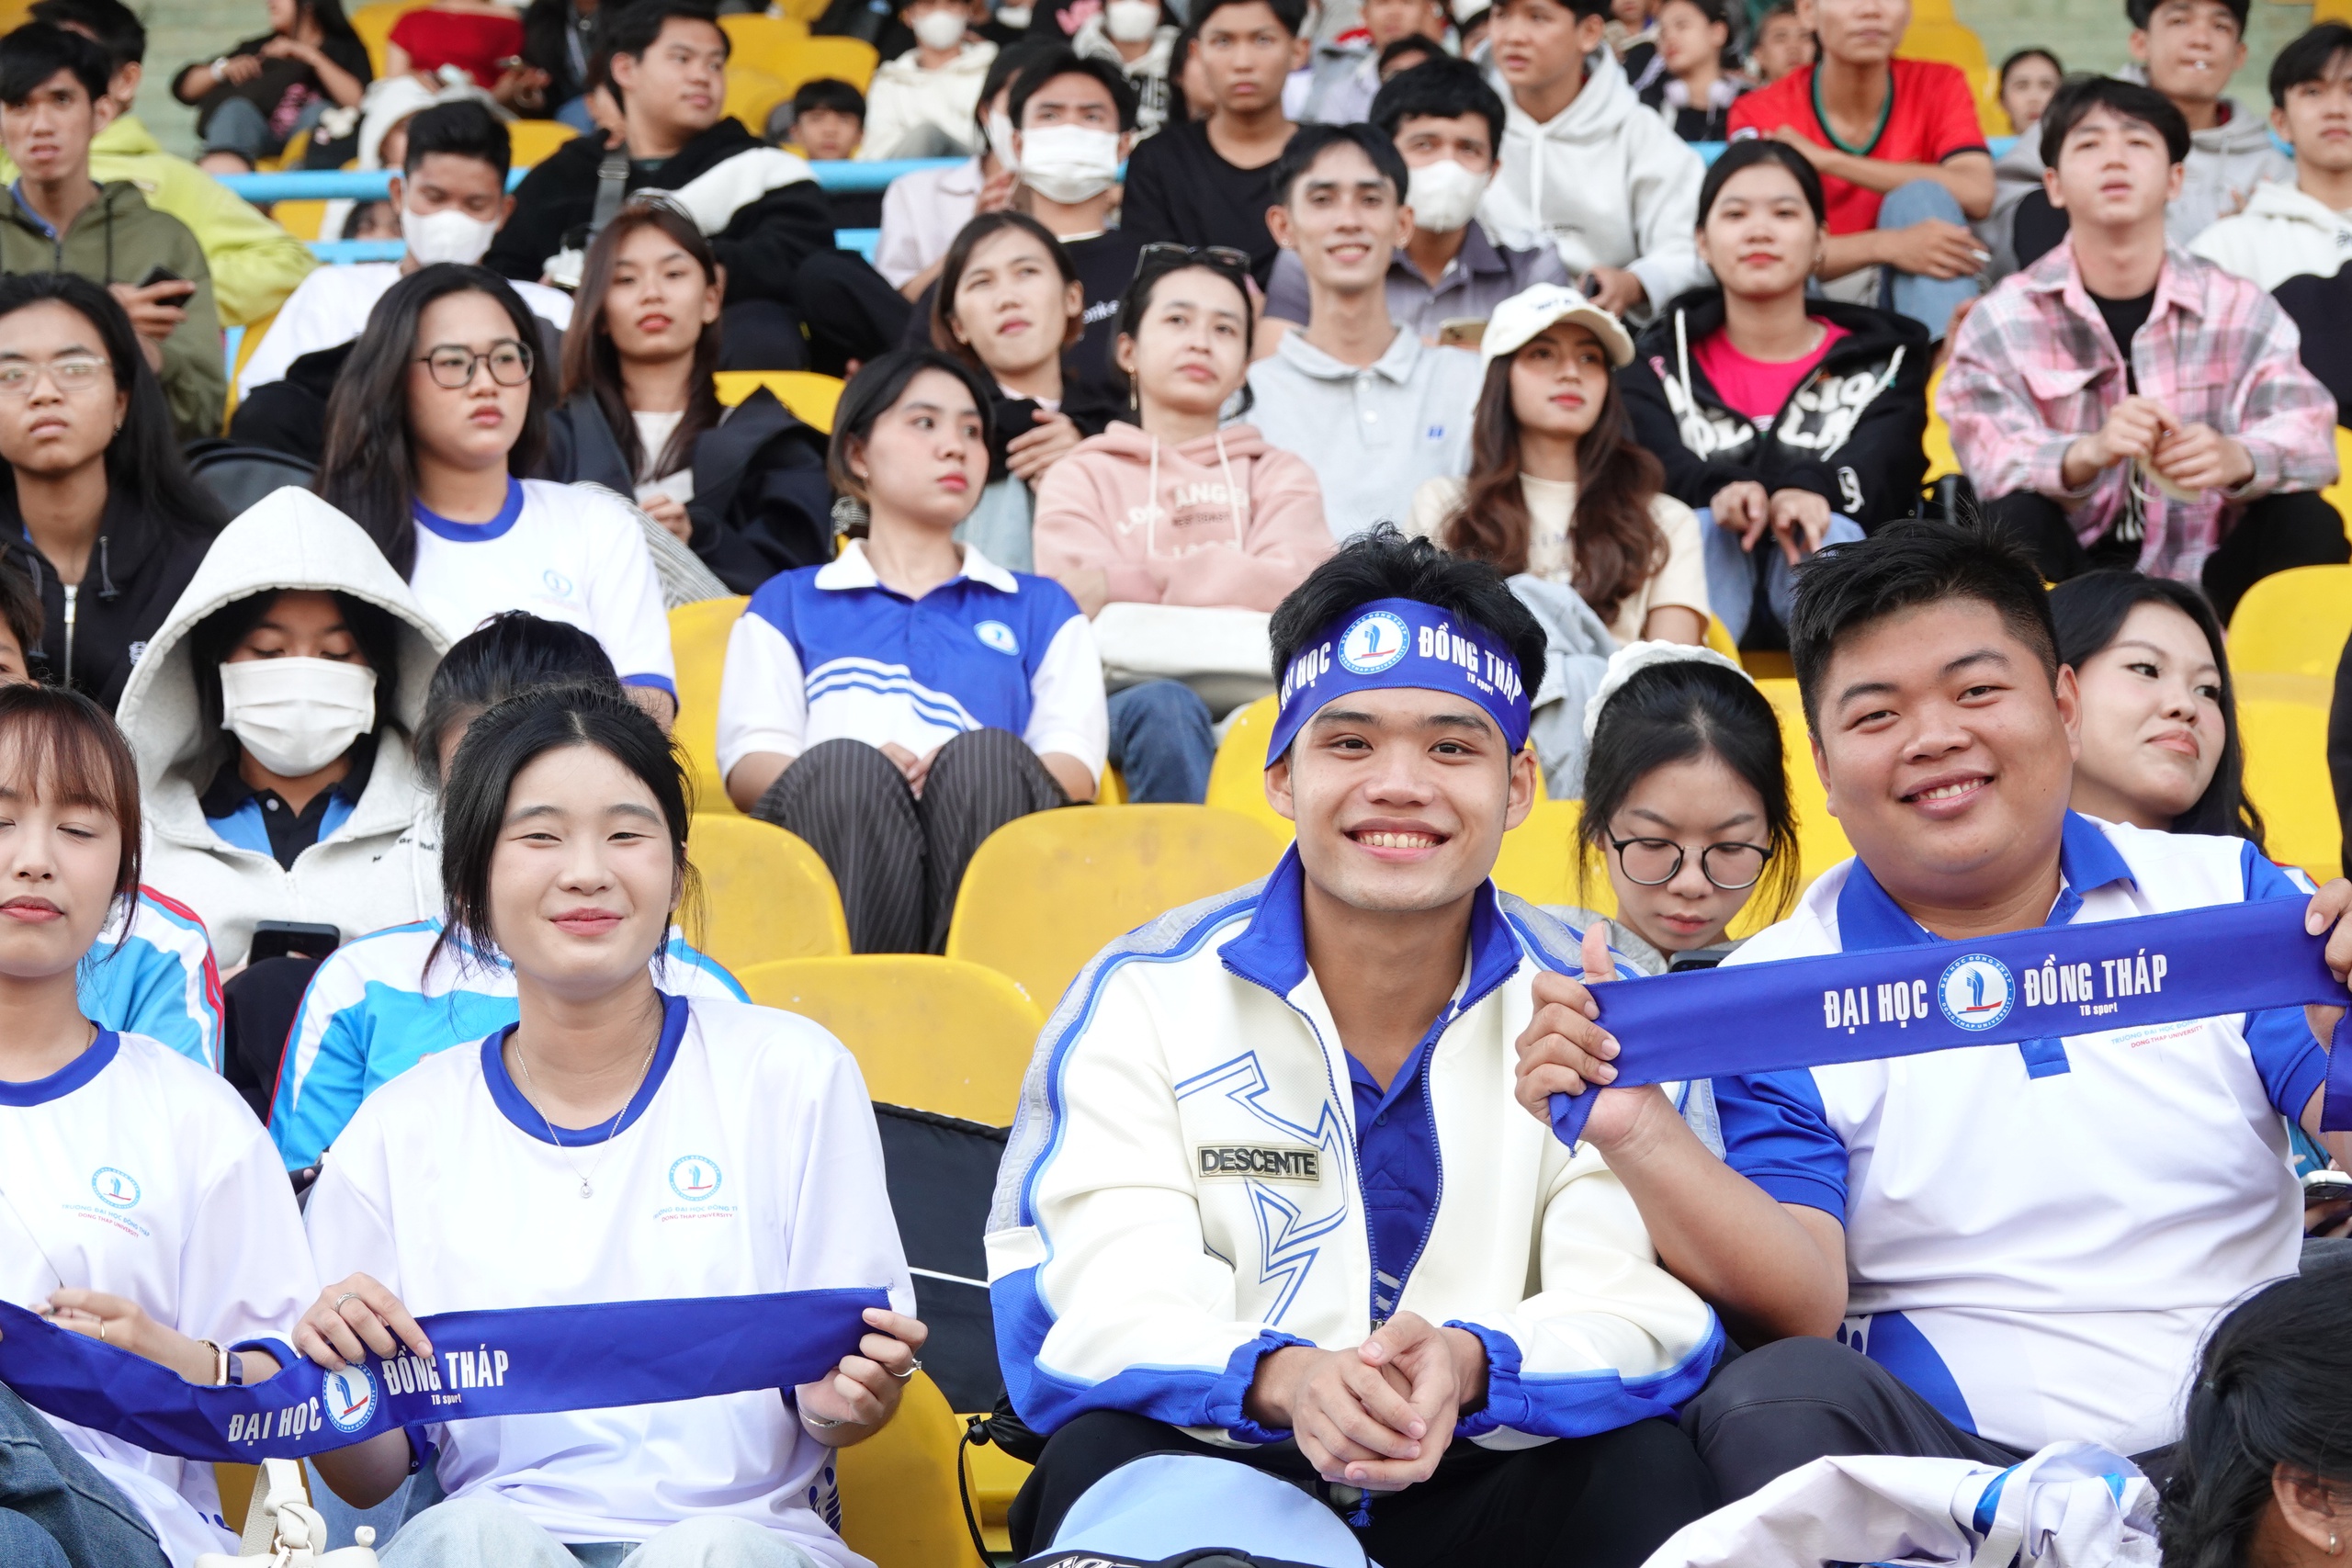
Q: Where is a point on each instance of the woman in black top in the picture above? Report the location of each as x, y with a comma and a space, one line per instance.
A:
253, 99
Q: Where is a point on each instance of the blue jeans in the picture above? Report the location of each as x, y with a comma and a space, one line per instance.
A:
484, 1530
1928, 300
238, 127
1161, 743
56, 1511
573, 112
1733, 572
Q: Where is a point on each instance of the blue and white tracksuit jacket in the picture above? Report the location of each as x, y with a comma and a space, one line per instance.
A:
156, 977
1181, 1195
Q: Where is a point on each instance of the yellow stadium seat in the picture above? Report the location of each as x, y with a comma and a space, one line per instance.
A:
2293, 623
1538, 858
1719, 639
938, 1034
752, 96
767, 895
1112, 789
843, 59
900, 1506
300, 219
698, 633
996, 1481
811, 396
805, 12
1821, 842
760, 41
533, 139
2339, 495
1941, 460
246, 346
374, 24
1047, 892
2286, 779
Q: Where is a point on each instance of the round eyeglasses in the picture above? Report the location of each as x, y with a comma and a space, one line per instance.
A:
452, 368
1652, 863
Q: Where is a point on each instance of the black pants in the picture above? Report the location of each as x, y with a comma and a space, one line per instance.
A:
852, 310
257, 1010
898, 858
760, 334
2289, 529
1606, 1501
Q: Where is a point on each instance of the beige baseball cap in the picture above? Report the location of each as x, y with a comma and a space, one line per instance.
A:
1519, 319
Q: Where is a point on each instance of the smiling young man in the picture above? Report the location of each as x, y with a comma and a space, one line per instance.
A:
1267, 1197
1973, 1252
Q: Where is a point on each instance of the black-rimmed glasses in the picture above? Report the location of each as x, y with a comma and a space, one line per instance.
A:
452, 368
1732, 866
1165, 254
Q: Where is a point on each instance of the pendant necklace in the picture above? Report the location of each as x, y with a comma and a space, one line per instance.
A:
562, 1149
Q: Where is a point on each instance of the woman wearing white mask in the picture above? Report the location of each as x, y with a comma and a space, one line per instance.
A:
920, 105
270, 716
1139, 38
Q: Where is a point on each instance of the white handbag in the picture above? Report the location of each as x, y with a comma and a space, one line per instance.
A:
1224, 655
282, 1531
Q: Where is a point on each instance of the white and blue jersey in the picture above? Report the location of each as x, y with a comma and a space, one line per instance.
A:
373, 1011
2039, 1232
827, 653
156, 978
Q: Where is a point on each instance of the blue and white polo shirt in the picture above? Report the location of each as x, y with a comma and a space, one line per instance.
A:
828, 653
2039, 1232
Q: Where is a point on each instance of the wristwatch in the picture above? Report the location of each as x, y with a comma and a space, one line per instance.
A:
219, 66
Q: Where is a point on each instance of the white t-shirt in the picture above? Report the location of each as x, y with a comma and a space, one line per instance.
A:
559, 551
332, 306
653, 433
137, 1172
446, 1188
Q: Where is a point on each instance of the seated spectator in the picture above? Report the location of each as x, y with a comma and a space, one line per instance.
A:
215, 1256
2159, 744
442, 408
828, 120
1787, 420
257, 94
1781, 44
891, 745
480, 41
1557, 486
63, 220
772, 1101
1209, 181
923, 212
1686, 806
1377, 962
273, 716
1586, 168
99, 511
920, 105
760, 206
559, 43
743, 488
1406, 53
1371, 407
1446, 123
2290, 230
2028, 80
1348, 78
1170, 507
1137, 37
2174, 430
1902, 158
383, 1002
1693, 90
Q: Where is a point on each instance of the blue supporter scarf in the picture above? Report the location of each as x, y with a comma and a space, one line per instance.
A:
1392, 643
2028, 985
521, 1363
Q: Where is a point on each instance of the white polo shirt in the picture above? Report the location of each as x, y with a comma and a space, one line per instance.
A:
2039, 1233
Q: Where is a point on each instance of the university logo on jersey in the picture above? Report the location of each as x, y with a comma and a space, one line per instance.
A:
998, 635
693, 1177
1976, 992
557, 584
1374, 643
349, 1395
116, 1188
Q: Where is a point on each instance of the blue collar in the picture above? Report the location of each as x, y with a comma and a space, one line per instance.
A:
67, 1078
1272, 951
519, 1111
473, 533
1868, 919
43, 224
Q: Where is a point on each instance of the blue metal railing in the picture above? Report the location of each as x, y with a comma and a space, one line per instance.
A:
371, 185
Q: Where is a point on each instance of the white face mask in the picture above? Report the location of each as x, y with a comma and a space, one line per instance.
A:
1000, 130
1445, 196
1068, 162
1013, 16
1131, 21
940, 28
447, 235
295, 715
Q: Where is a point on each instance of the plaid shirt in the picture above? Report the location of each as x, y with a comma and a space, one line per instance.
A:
2034, 368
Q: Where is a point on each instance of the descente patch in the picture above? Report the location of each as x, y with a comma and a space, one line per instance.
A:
1267, 1162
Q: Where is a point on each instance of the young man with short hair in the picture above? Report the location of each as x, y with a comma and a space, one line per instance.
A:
1270, 1185
53, 102
1373, 409
1208, 181
1446, 122
2120, 402
1588, 170
1902, 159
1973, 1252
1347, 72
920, 104
2303, 227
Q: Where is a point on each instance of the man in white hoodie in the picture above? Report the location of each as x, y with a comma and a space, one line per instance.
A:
1590, 169
2303, 228
920, 105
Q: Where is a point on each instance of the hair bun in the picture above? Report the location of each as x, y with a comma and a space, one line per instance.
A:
1636, 656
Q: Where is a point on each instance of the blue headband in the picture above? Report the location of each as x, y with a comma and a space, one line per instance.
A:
1392, 643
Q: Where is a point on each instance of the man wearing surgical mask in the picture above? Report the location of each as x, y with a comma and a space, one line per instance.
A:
1447, 122
451, 198
920, 105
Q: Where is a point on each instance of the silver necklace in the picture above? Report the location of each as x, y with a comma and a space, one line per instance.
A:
531, 1093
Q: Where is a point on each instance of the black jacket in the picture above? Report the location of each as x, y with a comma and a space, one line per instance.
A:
137, 567
1850, 434
761, 504
1087, 407
761, 246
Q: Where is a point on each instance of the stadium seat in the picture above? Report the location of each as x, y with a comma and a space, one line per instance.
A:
2293, 623
300, 219
1941, 460
1719, 639
533, 139
752, 96
1538, 858
936, 1034
844, 59
765, 895
900, 1507
374, 24
1821, 843
698, 633
2284, 732
811, 396
1047, 892
762, 41
246, 343
996, 1481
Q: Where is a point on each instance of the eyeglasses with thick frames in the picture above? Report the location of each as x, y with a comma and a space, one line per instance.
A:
1162, 254
452, 368
1652, 863
75, 373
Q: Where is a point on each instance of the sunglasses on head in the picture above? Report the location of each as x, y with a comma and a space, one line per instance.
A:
1165, 256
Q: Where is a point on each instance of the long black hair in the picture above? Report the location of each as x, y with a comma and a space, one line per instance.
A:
2273, 1391
144, 470
513, 652
368, 471
2089, 611
592, 361
875, 391
1747, 154
1677, 713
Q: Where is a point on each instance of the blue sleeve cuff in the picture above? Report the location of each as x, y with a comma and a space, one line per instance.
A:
1578, 1405
1230, 1393
1502, 1381
658, 683
1811, 1192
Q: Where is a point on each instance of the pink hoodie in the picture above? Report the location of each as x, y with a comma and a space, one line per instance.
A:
1160, 520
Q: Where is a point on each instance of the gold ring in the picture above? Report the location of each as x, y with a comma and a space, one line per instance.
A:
102, 1331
